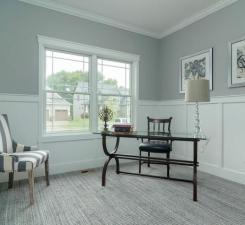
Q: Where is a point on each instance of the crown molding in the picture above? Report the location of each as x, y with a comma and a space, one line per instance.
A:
198, 16
107, 21
90, 16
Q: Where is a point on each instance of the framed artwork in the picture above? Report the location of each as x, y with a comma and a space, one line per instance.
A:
199, 65
237, 63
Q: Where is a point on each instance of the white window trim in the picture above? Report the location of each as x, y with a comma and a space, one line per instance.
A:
94, 52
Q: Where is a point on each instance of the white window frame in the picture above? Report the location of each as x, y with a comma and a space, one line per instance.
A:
94, 52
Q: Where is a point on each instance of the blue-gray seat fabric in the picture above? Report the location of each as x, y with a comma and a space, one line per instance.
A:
155, 147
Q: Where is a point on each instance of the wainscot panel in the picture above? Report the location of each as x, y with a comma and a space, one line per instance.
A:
222, 122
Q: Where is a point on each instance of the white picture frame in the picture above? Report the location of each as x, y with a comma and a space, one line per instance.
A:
196, 65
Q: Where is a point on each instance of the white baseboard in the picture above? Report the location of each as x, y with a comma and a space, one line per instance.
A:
216, 170
60, 168
63, 168
224, 173
77, 165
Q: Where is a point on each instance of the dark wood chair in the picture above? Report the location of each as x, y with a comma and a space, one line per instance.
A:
157, 127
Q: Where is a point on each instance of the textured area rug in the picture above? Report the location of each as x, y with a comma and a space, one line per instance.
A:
79, 199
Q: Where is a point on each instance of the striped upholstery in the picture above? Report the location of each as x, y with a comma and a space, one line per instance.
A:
29, 160
5, 136
7, 162
15, 156
17, 147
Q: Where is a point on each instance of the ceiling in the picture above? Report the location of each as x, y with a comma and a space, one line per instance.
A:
155, 18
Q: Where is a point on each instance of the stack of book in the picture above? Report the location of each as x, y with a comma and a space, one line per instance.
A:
125, 128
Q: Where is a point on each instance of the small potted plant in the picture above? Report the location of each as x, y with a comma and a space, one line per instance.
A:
105, 115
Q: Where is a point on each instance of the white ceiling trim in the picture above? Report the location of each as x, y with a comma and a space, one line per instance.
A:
89, 16
202, 14
104, 20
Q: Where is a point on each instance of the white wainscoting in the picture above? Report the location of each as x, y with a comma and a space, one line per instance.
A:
222, 120
66, 155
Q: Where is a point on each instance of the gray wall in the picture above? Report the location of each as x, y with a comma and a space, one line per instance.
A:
214, 31
159, 76
20, 23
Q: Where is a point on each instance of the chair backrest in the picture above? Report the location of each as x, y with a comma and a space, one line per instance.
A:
159, 126
6, 145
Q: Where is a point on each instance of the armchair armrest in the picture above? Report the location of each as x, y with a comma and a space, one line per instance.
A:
7, 162
17, 147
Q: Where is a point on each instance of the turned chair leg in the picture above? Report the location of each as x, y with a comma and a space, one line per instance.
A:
149, 154
11, 180
168, 167
47, 172
31, 185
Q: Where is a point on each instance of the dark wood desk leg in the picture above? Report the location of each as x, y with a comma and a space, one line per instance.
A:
110, 156
195, 171
117, 165
104, 171
11, 180
168, 166
140, 163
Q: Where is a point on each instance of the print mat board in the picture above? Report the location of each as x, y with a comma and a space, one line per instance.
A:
237, 63
198, 65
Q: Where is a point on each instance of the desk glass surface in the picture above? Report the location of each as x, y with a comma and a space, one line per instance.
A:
153, 135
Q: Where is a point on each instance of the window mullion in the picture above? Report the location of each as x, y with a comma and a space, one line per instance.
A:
134, 91
94, 108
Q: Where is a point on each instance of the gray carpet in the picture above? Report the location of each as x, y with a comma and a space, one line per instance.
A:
76, 198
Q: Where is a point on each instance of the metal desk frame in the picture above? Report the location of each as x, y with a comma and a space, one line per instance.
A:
114, 155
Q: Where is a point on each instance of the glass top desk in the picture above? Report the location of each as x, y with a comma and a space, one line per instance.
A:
153, 136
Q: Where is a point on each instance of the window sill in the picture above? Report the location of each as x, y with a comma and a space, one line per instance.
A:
66, 137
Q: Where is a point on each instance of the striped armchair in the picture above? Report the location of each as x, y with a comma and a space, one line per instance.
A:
15, 157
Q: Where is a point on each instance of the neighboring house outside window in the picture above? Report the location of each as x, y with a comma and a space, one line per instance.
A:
63, 72
113, 88
58, 109
76, 81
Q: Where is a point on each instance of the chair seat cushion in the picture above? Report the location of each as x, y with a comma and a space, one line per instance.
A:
29, 160
155, 146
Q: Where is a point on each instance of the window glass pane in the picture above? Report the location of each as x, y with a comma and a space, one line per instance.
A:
86, 67
66, 72
63, 55
68, 93
106, 62
67, 112
48, 53
121, 107
49, 67
113, 78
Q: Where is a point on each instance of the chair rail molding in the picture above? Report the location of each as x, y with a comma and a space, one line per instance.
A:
6, 97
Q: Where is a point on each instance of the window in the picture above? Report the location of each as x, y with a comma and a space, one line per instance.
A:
76, 81
113, 88
67, 91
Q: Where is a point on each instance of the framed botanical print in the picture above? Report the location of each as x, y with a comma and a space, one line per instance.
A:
237, 63
196, 66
